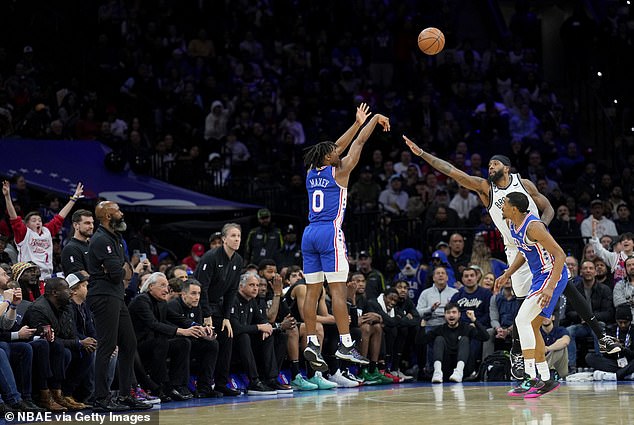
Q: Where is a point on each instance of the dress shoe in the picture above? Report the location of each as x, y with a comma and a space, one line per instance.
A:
133, 403
26, 406
59, 398
108, 404
207, 392
227, 392
177, 395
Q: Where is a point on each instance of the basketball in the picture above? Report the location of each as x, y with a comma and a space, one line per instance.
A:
431, 41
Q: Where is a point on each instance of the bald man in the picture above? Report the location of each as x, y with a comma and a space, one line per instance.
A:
106, 258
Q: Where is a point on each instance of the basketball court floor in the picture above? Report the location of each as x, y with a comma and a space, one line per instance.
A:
578, 403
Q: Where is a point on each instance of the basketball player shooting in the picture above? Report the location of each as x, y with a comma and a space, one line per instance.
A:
492, 192
323, 242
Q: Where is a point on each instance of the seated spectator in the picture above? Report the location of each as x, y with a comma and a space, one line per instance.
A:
394, 198
52, 318
81, 370
463, 202
620, 366
623, 221
34, 239
252, 334
603, 275
624, 289
18, 351
503, 309
364, 193
556, 340
476, 298
158, 339
451, 343
185, 312
175, 288
597, 224
599, 297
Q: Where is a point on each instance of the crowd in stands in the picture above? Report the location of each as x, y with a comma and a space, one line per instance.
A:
223, 96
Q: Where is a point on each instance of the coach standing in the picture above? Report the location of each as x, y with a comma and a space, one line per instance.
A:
114, 328
219, 275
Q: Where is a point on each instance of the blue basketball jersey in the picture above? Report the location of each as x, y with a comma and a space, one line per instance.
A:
539, 260
326, 199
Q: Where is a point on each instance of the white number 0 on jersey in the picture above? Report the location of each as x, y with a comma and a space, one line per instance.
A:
317, 201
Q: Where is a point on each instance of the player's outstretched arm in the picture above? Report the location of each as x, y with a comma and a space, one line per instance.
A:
546, 210
477, 184
363, 112
350, 161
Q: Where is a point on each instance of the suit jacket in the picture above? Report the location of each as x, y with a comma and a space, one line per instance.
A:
150, 318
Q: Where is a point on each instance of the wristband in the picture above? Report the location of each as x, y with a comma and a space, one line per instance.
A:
13, 306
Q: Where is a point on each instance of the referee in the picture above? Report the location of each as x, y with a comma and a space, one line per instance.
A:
106, 257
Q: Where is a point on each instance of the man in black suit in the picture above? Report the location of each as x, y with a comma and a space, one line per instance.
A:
158, 338
185, 312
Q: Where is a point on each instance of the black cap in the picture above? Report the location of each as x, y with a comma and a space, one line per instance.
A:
364, 254
441, 244
366, 169
214, 236
623, 312
596, 202
289, 229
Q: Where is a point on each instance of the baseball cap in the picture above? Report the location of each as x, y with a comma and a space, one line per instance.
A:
441, 244
28, 49
290, 229
596, 202
364, 254
214, 236
213, 156
76, 278
264, 213
198, 249
366, 169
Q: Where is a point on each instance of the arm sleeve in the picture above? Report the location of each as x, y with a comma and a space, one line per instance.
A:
55, 225
19, 229
612, 258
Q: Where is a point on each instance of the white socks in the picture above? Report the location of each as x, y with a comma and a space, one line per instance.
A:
312, 339
543, 370
346, 340
529, 367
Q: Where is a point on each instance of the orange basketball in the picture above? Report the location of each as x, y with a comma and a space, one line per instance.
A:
431, 41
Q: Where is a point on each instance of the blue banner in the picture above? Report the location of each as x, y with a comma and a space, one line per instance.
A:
57, 165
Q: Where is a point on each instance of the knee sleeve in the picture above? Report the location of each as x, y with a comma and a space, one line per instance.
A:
528, 311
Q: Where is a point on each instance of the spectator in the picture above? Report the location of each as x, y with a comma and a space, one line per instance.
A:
616, 260
463, 202
624, 289
34, 239
458, 258
375, 282
451, 343
27, 274
394, 199
193, 258
53, 320
364, 193
623, 221
599, 297
597, 224
81, 370
620, 366
556, 340
503, 308
291, 254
